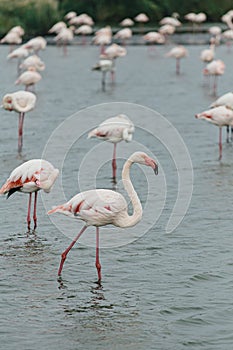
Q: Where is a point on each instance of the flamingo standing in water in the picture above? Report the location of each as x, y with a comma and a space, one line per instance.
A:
102, 207
214, 68
84, 30
29, 177
11, 38
177, 52
207, 55
124, 34
227, 35
64, 37
225, 100
103, 37
28, 78
141, 18
33, 61
127, 22
114, 130
104, 66
36, 44
112, 52
18, 53
21, 102
57, 27
219, 116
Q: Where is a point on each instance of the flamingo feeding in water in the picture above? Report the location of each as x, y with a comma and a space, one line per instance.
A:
29, 177
114, 130
219, 116
21, 102
102, 207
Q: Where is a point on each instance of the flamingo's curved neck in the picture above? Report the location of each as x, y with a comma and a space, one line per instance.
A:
131, 220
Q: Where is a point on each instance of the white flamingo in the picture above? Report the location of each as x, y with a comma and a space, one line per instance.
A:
102, 207
114, 130
219, 116
20, 102
29, 177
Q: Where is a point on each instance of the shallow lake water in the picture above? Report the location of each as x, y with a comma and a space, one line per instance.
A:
161, 291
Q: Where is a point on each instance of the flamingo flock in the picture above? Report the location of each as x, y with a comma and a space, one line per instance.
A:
101, 207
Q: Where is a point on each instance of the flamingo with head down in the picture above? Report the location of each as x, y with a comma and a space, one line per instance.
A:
100, 207
29, 177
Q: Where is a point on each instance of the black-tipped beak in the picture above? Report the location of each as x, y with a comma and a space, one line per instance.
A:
156, 171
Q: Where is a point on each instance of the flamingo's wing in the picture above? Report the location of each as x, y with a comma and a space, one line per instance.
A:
95, 207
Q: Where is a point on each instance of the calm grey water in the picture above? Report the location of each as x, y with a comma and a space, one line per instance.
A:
163, 291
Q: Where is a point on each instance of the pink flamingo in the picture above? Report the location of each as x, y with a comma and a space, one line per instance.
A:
28, 78
21, 102
112, 52
18, 53
64, 37
207, 55
11, 38
104, 66
114, 130
103, 37
171, 21
227, 35
124, 34
33, 61
142, 18
127, 22
220, 116
84, 30
57, 27
36, 44
225, 100
102, 207
29, 177
153, 38
70, 15
214, 68
177, 52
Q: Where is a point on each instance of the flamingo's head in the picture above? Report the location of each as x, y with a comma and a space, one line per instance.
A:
143, 158
7, 102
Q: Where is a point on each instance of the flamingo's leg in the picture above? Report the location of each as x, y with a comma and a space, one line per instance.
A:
34, 211
64, 254
29, 211
97, 261
114, 165
103, 80
20, 132
177, 66
228, 130
220, 143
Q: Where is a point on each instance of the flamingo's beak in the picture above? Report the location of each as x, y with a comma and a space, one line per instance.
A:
156, 171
